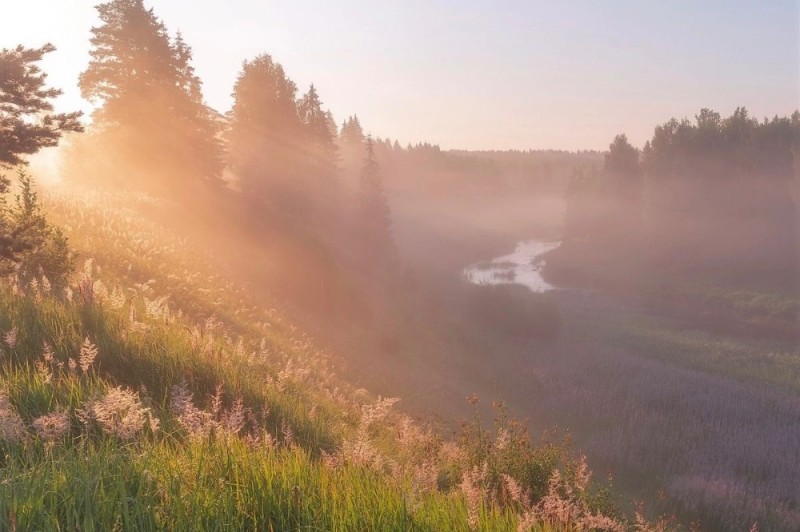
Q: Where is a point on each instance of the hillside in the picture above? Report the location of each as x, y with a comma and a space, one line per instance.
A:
154, 393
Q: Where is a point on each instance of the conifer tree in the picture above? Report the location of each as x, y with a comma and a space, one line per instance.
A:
27, 124
352, 134
27, 120
151, 114
319, 139
351, 147
373, 220
266, 133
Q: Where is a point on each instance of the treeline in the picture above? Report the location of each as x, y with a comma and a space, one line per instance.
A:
714, 198
426, 168
280, 150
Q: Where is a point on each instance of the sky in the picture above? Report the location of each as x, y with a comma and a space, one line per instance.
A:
512, 74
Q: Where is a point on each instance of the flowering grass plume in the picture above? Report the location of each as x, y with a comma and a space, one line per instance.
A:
52, 427
197, 423
12, 428
87, 355
10, 338
120, 413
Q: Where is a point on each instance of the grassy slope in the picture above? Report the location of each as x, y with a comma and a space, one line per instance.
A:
272, 473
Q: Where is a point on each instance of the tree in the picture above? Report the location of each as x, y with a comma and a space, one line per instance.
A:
351, 143
711, 175
39, 250
374, 221
622, 158
320, 164
319, 139
151, 112
265, 133
27, 120
351, 133
27, 124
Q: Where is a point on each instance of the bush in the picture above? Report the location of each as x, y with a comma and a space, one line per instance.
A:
32, 247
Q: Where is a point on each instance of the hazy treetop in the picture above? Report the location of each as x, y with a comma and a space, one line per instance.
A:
541, 74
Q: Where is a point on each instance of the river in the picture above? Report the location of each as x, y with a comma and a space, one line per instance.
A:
522, 266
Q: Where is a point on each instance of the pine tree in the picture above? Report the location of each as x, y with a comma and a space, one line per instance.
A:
351, 147
28, 124
202, 150
151, 114
319, 139
27, 121
352, 134
319, 184
266, 134
39, 248
373, 221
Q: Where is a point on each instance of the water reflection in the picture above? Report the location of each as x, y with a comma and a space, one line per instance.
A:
523, 266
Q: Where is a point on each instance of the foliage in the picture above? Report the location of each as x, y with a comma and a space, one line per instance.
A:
30, 246
712, 197
151, 116
373, 223
265, 130
140, 417
40, 250
27, 121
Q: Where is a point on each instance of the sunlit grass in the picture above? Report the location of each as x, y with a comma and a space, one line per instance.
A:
95, 438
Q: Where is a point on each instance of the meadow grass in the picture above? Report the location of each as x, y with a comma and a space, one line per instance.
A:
769, 363
154, 395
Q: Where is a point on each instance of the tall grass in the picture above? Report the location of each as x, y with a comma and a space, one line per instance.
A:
121, 410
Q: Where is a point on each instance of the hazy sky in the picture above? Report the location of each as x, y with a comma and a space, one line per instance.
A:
474, 74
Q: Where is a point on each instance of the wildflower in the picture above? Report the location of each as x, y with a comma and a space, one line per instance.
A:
87, 355
34, 286
216, 402
47, 353
473, 492
193, 420
332, 460
46, 286
87, 267
513, 488
11, 426
582, 475
156, 308
239, 350
233, 420
153, 422
119, 413
100, 291
53, 426
426, 476
503, 439
288, 434
11, 338
117, 299
44, 371
373, 413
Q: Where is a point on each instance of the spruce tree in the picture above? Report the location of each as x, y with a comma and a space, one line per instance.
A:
265, 130
27, 124
319, 139
151, 116
351, 147
27, 120
373, 221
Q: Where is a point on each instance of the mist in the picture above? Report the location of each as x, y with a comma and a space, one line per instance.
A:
465, 334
